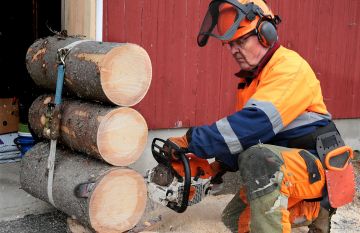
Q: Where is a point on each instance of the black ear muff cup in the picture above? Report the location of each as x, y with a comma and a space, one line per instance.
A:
267, 34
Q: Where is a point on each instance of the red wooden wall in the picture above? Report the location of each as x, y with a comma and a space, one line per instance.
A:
327, 34
194, 86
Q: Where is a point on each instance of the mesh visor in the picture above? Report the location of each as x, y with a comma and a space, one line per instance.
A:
231, 16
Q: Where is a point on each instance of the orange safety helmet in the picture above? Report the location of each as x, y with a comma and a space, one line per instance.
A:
236, 18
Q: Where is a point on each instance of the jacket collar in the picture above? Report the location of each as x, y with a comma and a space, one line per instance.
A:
251, 74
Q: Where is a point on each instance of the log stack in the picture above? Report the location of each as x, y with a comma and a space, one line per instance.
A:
99, 133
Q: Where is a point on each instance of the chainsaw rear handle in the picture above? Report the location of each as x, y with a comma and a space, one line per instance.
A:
163, 156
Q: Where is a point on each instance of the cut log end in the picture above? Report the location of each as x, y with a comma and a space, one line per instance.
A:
118, 202
122, 136
125, 74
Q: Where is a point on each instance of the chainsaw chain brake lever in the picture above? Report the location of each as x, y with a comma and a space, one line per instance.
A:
166, 150
162, 152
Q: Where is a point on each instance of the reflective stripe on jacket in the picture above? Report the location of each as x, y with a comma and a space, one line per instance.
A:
284, 101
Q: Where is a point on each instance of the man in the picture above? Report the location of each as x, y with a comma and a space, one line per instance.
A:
279, 107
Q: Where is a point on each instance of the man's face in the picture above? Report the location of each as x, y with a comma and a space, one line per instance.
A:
247, 51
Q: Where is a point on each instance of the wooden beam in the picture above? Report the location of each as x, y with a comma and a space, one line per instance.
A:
80, 18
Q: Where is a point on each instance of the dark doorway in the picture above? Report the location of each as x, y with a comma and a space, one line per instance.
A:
21, 23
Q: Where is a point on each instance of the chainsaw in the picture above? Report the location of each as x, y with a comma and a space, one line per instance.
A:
180, 182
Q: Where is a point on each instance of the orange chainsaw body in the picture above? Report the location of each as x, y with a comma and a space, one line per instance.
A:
199, 167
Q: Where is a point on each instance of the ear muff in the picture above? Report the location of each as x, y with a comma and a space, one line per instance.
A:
266, 32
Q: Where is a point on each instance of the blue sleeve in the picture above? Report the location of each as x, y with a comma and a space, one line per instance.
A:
229, 136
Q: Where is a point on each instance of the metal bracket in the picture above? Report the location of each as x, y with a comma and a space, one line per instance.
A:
84, 190
62, 54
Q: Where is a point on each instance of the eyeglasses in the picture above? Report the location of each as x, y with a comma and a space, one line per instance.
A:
241, 41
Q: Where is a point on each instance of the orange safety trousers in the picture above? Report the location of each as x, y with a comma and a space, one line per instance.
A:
301, 213
286, 206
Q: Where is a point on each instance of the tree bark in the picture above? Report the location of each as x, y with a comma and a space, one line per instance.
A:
118, 73
117, 135
115, 204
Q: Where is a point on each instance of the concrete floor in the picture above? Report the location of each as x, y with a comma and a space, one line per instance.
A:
53, 222
14, 202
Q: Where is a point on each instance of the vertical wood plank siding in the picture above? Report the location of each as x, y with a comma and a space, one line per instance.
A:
195, 86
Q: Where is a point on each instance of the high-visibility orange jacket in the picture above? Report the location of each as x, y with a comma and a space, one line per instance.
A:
283, 102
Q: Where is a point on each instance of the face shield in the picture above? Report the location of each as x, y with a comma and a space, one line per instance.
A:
230, 13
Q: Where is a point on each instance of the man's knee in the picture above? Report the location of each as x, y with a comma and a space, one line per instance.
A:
260, 170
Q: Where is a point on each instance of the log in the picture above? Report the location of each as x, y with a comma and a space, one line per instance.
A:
73, 226
117, 135
115, 204
118, 73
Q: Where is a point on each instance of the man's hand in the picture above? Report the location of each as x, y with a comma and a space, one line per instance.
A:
181, 142
215, 167
178, 144
219, 169
217, 180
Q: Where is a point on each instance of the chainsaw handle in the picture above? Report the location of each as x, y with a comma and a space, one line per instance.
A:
187, 184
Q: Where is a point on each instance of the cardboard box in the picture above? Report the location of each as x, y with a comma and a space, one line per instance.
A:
9, 115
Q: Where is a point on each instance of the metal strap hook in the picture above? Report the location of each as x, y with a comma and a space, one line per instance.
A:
62, 54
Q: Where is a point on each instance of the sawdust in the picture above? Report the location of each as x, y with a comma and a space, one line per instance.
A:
204, 217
